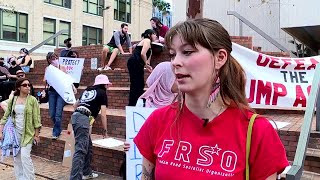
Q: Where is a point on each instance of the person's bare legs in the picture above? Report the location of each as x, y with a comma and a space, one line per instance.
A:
105, 52
112, 57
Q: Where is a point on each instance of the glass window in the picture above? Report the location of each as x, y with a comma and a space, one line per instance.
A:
64, 25
13, 26
49, 29
93, 6
122, 10
91, 35
63, 3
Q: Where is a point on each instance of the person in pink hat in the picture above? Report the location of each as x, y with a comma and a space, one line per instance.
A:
92, 100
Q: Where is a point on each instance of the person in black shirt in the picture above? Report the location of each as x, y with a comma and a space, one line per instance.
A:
67, 52
115, 47
13, 68
92, 100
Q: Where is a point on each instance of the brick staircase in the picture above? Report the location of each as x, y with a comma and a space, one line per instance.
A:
108, 160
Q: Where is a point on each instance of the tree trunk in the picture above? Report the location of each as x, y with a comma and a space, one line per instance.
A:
194, 9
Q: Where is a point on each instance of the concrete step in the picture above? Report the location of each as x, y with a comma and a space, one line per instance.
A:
312, 161
105, 160
118, 97
116, 120
119, 78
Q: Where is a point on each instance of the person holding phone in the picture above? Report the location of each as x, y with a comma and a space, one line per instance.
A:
25, 113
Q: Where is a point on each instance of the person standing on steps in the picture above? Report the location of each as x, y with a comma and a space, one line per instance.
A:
139, 60
93, 99
115, 47
56, 102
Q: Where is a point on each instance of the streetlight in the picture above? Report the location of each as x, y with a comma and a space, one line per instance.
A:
103, 9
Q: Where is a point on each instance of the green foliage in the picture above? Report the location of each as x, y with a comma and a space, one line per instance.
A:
8, 8
161, 5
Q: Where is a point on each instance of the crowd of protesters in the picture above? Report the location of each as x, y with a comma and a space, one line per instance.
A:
179, 89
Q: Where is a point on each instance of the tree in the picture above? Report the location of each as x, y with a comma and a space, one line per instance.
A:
161, 6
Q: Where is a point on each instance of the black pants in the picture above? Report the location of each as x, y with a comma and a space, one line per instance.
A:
136, 72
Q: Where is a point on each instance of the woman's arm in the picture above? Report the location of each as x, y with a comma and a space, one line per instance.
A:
145, 47
63, 68
147, 170
26, 60
272, 177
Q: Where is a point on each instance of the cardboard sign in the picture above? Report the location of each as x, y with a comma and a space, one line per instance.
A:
68, 148
135, 117
73, 66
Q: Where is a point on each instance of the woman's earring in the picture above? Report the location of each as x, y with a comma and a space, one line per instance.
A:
214, 93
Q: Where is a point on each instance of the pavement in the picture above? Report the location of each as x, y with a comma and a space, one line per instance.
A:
45, 170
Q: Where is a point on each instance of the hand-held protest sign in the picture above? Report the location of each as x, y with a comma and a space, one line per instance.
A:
276, 82
61, 82
73, 66
135, 117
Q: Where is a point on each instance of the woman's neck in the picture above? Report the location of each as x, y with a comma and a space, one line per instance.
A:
23, 95
199, 106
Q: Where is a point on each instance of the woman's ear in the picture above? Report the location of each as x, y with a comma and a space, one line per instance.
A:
221, 57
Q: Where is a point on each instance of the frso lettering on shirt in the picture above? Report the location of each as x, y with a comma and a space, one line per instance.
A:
205, 156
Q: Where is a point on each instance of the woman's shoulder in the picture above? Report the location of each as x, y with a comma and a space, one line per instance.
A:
167, 112
32, 98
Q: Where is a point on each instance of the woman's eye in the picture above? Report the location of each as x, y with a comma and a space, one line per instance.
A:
187, 53
172, 55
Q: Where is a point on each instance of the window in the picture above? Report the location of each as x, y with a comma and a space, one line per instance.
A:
13, 26
93, 6
122, 10
49, 29
64, 25
91, 35
62, 3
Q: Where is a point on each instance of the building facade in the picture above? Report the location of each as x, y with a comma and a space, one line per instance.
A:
87, 22
265, 14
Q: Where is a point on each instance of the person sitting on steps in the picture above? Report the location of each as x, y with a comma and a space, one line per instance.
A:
115, 47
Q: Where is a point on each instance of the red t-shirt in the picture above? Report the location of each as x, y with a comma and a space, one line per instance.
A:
216, 151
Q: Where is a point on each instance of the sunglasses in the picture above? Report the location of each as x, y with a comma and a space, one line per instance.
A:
26, 85
20, 76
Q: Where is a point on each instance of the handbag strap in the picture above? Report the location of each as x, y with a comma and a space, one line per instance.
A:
248, 143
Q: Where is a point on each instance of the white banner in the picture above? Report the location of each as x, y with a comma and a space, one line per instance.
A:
135, 117
276, 82
73, 66
61, 82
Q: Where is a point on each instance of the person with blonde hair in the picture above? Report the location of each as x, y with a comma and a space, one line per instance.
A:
204, 134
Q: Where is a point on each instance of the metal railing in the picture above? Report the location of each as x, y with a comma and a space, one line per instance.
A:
259, 31
49, 39
295, 171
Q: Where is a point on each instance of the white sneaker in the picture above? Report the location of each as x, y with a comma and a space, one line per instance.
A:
100, 69
90, 176
107, 68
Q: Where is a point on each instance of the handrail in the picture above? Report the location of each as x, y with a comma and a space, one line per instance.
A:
295, 171
49, 39
259, 31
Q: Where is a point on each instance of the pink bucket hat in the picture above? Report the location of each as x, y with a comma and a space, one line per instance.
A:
101, 79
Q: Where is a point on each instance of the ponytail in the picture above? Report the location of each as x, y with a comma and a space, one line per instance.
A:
234, 82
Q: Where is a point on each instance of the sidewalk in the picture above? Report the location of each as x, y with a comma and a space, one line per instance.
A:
45, 169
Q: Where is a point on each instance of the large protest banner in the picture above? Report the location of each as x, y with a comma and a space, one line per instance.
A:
61, 82
73, 66
135, 117
276, 82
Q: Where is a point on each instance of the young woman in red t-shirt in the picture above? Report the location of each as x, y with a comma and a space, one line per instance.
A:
203, 135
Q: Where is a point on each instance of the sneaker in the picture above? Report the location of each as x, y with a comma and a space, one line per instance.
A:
107, 68
100, 69
54, 137
90, 176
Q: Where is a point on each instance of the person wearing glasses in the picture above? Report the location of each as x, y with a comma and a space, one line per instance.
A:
56, 102
20, 75
25, 113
